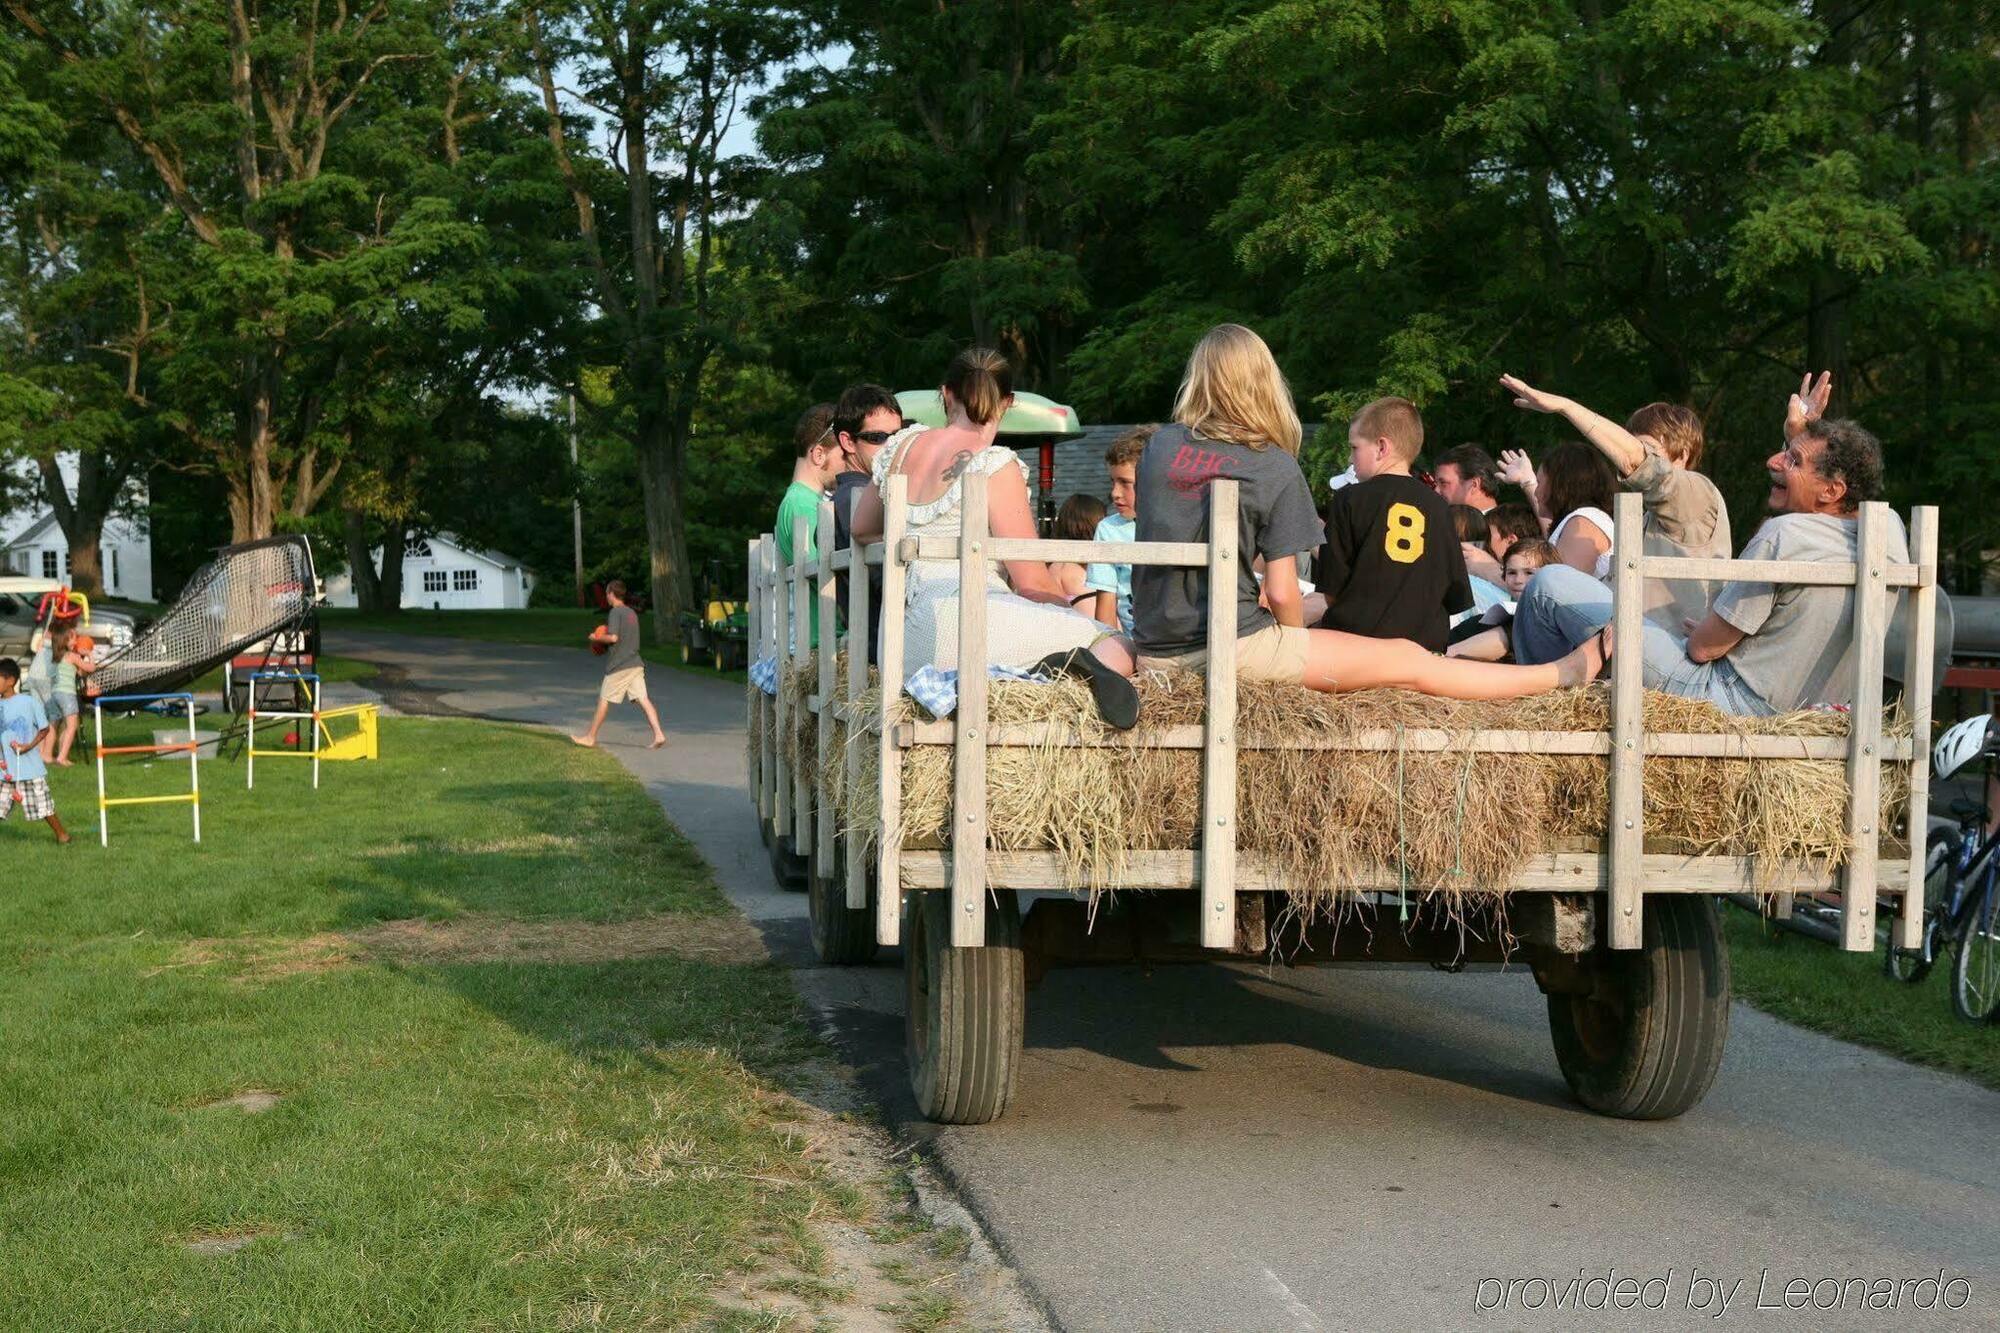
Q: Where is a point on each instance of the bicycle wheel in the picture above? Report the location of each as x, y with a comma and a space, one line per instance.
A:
1913, 965
1975, 989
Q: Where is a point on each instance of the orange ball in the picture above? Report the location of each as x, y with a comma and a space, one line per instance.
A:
597, 644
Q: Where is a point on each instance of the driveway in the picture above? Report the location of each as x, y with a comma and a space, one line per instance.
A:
1229, 1147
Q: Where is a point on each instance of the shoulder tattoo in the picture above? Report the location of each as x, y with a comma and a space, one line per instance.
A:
956, 468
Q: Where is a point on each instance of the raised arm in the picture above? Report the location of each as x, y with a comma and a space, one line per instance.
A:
1809, 403
1612, 440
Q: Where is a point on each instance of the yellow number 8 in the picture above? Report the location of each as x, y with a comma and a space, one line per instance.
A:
1404, 541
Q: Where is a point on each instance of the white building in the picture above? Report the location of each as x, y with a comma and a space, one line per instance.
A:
444, 573
32, 543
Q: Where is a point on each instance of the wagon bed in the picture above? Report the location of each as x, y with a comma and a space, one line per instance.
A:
1581, 912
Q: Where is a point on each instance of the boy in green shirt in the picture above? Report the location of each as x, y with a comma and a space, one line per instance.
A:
817, 464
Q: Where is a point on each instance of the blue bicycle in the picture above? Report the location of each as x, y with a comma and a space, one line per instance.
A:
1961, 887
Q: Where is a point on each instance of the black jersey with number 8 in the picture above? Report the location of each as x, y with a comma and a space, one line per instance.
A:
1391, 567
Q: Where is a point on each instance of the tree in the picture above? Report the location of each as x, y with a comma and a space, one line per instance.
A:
66, 284
901, 198
663, 80
277, 135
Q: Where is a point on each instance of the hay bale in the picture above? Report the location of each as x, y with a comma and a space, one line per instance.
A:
1451, 824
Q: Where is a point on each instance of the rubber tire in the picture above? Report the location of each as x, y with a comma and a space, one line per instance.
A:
842, 936
963, 1010
1940, 858
687, 653
1985, 910
1646, 1043
787, 867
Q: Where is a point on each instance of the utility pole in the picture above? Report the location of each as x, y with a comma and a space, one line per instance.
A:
576, 503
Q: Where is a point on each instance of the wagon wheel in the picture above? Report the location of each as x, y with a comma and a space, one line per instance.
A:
1644, 1041
962, 1010
787, 866
841, 935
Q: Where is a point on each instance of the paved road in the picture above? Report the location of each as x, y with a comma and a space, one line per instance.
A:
1222, 1147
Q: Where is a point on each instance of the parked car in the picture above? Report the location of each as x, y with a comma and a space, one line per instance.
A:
20, 595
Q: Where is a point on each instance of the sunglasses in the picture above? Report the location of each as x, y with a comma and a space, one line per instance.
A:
873, 436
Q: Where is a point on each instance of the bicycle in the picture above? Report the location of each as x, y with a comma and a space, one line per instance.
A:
1961, 887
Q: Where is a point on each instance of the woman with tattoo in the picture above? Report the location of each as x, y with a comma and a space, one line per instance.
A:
1029, 620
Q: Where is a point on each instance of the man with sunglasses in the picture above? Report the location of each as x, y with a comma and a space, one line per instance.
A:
863, 420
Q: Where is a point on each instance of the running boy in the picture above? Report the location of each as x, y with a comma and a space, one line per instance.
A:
24, 777
1391, 567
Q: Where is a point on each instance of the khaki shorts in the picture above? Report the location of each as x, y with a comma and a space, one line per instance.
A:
1275, 653
627, 686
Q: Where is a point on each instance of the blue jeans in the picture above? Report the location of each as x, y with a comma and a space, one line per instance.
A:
1564, 606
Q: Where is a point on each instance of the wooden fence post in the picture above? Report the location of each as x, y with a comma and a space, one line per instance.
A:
968, 767
1864, 729
774, 606
859, 642
1627, 840
802, 641
1919, 670
829, 700
889, 842
754, 750
1218, 757
782, 655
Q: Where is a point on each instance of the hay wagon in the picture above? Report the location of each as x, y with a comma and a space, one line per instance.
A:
981, 843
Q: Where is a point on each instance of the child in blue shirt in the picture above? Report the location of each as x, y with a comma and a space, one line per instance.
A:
1113, 582
24, 778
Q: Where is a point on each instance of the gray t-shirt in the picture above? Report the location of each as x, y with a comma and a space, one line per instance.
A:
1275, 518
1685, 516
1798, 645
624, 654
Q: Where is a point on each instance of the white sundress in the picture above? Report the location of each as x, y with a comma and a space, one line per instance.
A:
1602, 521
1019, 633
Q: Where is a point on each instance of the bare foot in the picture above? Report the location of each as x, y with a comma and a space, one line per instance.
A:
63, 840
587, 742
63, 763
658, 741
1586, 662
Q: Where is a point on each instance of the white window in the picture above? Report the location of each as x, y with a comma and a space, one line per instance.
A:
48, 564
417, 550
434, 580
465, 580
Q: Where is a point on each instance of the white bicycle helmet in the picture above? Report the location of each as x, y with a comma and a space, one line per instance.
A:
1963, 743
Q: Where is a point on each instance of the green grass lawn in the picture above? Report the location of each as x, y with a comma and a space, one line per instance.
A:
1848, 995
502, 1111
553, 626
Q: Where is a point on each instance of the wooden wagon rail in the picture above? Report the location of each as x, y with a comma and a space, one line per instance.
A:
782, 598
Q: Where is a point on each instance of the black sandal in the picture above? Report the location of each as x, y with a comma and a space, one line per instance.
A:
1117, 698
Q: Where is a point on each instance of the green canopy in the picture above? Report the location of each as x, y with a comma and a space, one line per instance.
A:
1031, 413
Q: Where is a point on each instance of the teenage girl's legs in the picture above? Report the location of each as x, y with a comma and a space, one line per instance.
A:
1337, 662
69, 724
